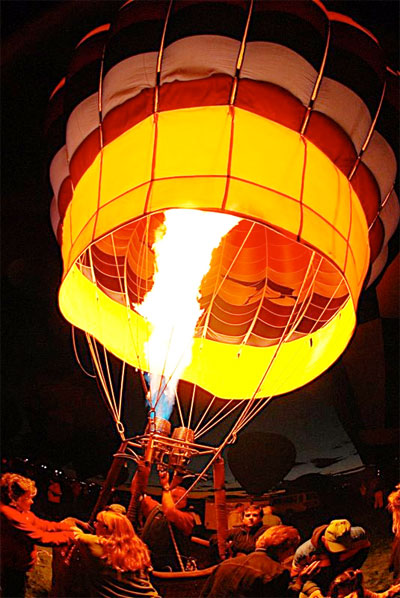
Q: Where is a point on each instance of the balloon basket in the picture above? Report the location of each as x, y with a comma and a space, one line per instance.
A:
182, 584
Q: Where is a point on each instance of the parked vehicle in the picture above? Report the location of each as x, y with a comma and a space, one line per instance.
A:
286, 504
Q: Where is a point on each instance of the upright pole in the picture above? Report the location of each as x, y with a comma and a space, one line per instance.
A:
139, 483
110, 481
220, 505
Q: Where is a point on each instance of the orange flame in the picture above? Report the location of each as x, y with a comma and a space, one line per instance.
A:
183, 250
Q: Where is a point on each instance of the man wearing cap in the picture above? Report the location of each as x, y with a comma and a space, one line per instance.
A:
336, 547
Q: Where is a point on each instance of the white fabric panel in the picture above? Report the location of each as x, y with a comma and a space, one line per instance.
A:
380, 159
83, 120
198, 57
346, 108
267, 61
378, 265
54, 215
390, 216
59, 170
127, 79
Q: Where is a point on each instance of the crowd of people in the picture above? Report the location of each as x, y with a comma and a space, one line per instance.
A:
264, 557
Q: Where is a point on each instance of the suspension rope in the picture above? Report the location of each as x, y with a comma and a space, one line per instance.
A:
261, 301
369, 134
178, 403
318, 82
191, 405
77, 355
207, 313
204, 415
221, 416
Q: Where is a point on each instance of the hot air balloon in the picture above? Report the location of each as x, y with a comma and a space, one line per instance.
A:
255, 135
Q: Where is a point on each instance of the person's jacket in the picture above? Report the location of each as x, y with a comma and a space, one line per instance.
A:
253, 575
103, 581
21, 531
243, 539
166, 537
331, 564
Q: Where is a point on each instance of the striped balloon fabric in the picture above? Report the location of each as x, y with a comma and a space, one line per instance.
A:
278, 112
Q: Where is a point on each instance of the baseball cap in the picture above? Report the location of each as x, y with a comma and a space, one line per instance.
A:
337, 535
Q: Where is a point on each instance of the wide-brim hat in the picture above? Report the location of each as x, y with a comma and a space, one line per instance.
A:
337, 535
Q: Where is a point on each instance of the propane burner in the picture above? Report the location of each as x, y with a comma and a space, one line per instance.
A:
166, 450
158, 425
181, 453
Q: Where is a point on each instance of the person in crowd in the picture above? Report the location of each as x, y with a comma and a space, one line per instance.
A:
197, 519
168, 526
335, 547
235, 516
115, 560
269, 518
117, 508
263, 572
394, 508
242, 540
21, 530
350, 584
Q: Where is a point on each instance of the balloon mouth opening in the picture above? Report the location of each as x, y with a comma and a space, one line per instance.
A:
260, 282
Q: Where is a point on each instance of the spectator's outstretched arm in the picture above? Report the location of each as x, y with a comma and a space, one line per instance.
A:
183, 521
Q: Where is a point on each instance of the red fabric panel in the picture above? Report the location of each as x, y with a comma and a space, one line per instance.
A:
87, 52
271, 101
64, 196
376, 236
213, 91
366, 187
326, 134
59, 233
128, 114
139, 11
84, 156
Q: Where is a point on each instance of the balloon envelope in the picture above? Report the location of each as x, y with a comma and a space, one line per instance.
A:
222, 107
259, 460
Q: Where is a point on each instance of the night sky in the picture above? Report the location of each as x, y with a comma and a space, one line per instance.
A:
50, 410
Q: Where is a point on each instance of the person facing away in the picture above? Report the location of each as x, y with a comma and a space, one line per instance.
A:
168, 526
269, 518
235, 516
242, 540
262, 573
335, 547
21, 530
115, 560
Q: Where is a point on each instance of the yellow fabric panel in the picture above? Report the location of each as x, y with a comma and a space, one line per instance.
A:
267, 153
322, 235
127, 161
193, 141
298, 362
326, 190
85, 198
125, 208
190, 193
66, 238
263, 205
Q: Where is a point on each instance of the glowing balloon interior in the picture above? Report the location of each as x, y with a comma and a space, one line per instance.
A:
223, 191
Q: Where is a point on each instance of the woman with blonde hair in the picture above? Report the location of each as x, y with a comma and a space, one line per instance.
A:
116, 560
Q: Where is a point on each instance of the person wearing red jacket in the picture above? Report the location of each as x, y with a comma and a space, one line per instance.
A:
21, 530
